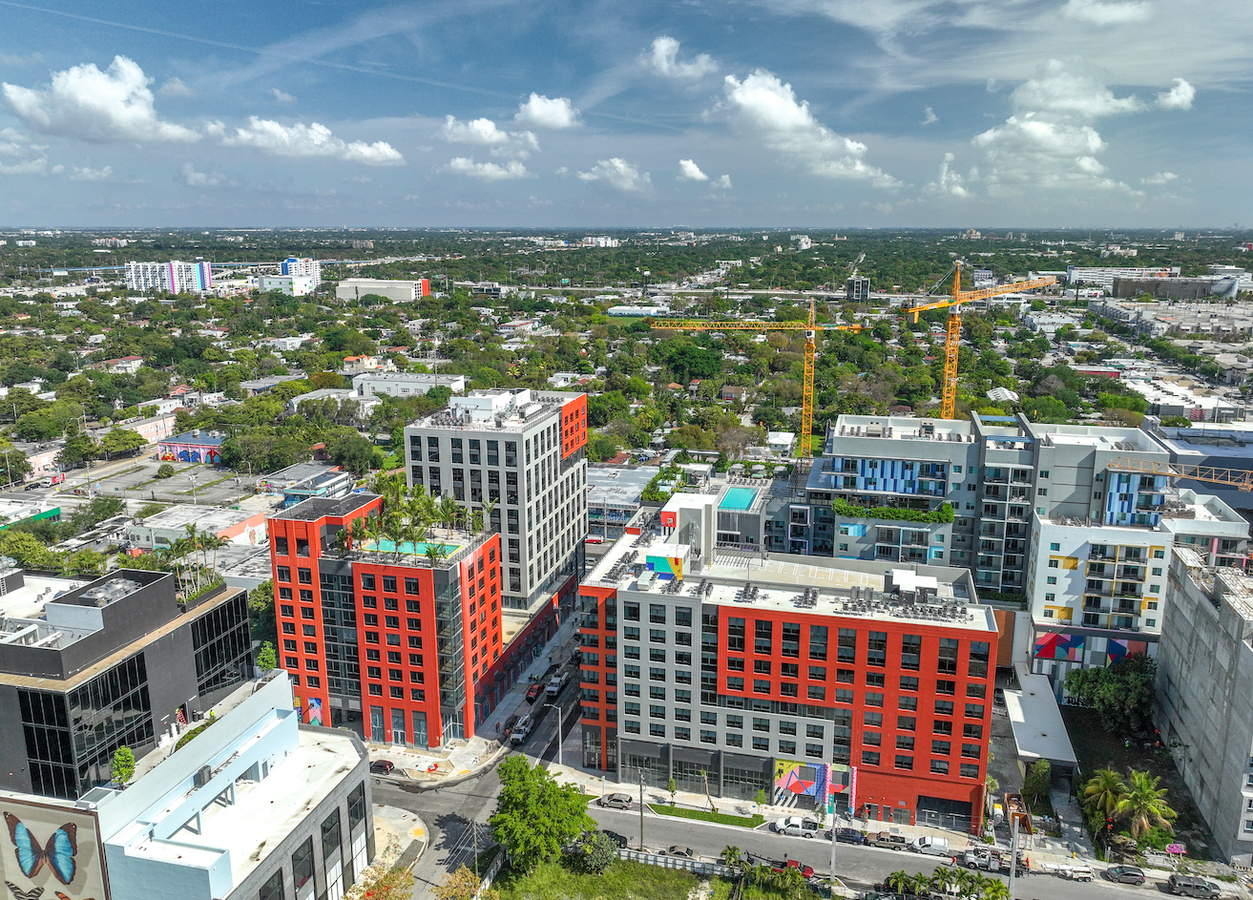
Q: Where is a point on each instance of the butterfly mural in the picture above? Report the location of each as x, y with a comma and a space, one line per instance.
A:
58, 852
61, 896
19, 894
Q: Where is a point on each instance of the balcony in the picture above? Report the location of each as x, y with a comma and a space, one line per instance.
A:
1131, 573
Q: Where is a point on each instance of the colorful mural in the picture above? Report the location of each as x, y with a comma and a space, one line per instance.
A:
666, 567
56, 847
1059, 646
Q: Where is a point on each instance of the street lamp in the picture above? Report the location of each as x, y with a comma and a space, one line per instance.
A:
557, 707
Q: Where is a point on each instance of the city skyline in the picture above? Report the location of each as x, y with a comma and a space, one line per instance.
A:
1034, 114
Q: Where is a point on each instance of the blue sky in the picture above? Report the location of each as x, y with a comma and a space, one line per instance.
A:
836, 113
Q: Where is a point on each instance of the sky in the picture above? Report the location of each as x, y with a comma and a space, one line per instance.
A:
590, 113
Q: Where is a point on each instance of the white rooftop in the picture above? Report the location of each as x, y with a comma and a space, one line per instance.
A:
205, 518
1039, 731
28, 602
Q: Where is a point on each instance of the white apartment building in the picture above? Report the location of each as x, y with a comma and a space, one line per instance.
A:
305, 267
291, 285
523, 452
404, 384
170, 277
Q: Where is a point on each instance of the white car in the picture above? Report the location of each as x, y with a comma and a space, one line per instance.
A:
796, 825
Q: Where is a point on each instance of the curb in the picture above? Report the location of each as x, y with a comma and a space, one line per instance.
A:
459, 779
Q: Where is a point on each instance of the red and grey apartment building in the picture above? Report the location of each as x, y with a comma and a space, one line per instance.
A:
402, 648
800, 676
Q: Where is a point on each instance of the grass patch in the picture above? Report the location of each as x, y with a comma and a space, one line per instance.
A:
721, 890
704, 815
622, 880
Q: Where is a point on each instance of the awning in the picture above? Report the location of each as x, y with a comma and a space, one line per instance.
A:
1039, 732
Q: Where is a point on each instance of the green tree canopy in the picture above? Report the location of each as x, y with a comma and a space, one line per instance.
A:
1122, 694
121, 440
534, 815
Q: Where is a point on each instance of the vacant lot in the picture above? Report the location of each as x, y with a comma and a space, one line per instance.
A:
621, 881
1097, 748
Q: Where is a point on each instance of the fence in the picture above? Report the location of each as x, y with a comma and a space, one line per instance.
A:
706, 869
493, 869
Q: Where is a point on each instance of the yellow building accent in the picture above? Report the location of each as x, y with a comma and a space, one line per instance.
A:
1070, 562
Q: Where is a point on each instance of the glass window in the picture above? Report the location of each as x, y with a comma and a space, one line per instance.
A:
302, 864
273, 887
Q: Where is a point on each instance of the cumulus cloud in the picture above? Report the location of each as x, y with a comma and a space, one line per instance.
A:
617, 173
307, 140
1159, 178
1102, 12
1178, 97
485, 133
948, 181
281, 96
85, 103
188, 175
722, 182
689, 171
929, 117
767, 107
26, 167
663, 59
81, 173
174, 87
488, 171
1051, 141
551, 113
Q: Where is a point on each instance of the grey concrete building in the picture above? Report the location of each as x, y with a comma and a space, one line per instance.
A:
522, 451
1205, 695
89, 667
404, 384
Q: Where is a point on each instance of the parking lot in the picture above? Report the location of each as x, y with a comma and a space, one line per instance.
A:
136, 479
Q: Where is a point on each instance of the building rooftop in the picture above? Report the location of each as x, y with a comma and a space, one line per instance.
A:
28, 601
196, 436
409, 377
1039, 732
13, 510
322, 507
205, 518
497, 410
292, 474
617, 485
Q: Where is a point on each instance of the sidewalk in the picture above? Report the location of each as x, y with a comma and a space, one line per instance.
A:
400, 838
460, 758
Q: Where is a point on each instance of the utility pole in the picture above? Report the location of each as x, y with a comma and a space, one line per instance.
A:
559, 742
831, 819
641, 770
1013, 854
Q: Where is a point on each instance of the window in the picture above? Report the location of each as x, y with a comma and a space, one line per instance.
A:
970, 751
872, 720
904, 742
1055, 563
906, 723
972, 732
877, 649
941, 727
816, 692
869, 758
761, 667
761, 724
813, 751
367, 581
874, 698
974, 710
817, 673
911, 652
788, 748
944, 707
969, 771
818, 642
941, 748
1041, 492
909, 683
843, 695
735, 684
708, 737
284, 573
907, 703
939, 767
302, 864
273, 887
904, 762
735, 740
735, 721
1055, 547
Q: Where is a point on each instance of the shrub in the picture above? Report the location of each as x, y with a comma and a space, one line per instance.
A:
940, 516
165, 471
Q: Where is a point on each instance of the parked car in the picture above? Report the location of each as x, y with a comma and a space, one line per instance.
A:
847, 836
619, 840
887, 839
1125, 874
1192, 886
522, 730
679, 851
33, 486
556, 683
933, 846
796, 825
533, 692
382, 767
616, 801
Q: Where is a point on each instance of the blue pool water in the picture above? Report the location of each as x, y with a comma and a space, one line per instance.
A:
407, 548
738, 498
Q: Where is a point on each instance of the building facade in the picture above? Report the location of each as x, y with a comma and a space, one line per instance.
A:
107, 664
795, 676
522, 452
170, 277
404, 384
302, 267
401, 645
1205, 695
394, 290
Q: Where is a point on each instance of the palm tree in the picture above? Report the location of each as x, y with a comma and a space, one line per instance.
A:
434, 553
900, 882
448, 512
214, 542
488, 508
1144, 804
730, 856
995, 889
1103, 791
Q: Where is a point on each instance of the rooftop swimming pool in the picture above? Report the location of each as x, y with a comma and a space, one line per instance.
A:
407, 548
738, 498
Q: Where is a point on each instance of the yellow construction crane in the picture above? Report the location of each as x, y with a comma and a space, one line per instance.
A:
810, 328
948, 405
1237, 478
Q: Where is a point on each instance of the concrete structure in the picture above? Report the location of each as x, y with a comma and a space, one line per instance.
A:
404, 384
330, 485
153, 428
170, 277
302, 267
613, 497
257, 386
1182, 396
13, 511
291, 285
436, 681
1103, 276
396, 291
160, 531
1049, 324
192, 446
87, 667
1205, 696
857, 289
786, 674
645, 311
522, 450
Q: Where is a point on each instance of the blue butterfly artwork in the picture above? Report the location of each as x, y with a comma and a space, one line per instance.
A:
58, 852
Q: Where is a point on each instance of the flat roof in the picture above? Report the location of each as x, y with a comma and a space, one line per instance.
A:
28, 601
617, 485
1039, 732
204, 439
205, 518
320, 507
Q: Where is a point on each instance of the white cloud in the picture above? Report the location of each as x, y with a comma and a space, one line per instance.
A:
544, 112
188, 175
949, 182
763, 105
663, 58
1098, 12
488, 171
689, 171
282, 96
308, 140
85, 103
1178, 97
617, 173
27, 167
86, 174
174, 87
1159, 178
722, 182
485, 133
929, 117
1072, 88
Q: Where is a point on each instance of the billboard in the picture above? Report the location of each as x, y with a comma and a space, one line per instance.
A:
52, 849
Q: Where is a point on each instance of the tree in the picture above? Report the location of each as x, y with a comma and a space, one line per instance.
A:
121, 440
1036, 785
594, 852
1144, 805
267, 659
122, 766
534, 815
671, 789
463, 885
1103, 792
1122, 694
354, 453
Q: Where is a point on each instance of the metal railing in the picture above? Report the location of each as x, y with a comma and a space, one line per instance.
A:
697, 867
